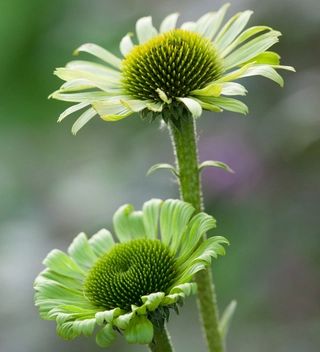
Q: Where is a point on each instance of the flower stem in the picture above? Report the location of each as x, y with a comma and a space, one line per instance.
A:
185, 148
161, 340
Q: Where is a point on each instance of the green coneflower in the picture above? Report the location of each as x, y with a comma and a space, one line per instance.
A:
193, 67
127, 286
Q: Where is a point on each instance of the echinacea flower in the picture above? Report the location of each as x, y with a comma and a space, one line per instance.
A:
190, 68
127, 286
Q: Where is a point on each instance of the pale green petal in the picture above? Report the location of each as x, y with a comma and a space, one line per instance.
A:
100, 53
163, 96
151, 211
233, 88
251, 49
93, 68
134, 105
208, 106
81, 251
268, 57
139, 330
169, 23
61, 263
71, 329
101, 242
193, 106
188, 289
229, 104
80, 84
189, 26
198, 226
233, 75
209, 24
71, 110
174, 218
126, 44
245, 35
83, 120
106, 336
128, 224
108, 316
211, 90
111, 111
155, 106
66, 331
87, 97
231, 29
123, 320
145, 29
75, 283
153, 300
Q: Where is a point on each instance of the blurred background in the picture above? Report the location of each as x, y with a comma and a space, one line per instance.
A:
54, 185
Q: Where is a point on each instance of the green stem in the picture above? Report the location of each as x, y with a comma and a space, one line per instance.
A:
184, 142
161, 340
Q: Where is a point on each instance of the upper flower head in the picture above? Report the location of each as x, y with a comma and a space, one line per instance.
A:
130, 285
193, 67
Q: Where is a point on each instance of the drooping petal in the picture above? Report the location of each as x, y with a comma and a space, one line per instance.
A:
111, 110
233, 88
128, 223
139, 330
71, 329
106, 336
207, 105
145, 29
153, 300
169, 23
126, 44
229, 104
151, 211
72, 109
100, 53
83, 120
87, 97
211, 90
193, 106
108, 316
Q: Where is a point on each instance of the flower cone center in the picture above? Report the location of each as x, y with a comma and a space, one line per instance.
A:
129, 271
175, 62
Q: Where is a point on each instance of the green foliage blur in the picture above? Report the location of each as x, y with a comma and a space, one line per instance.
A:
54, 185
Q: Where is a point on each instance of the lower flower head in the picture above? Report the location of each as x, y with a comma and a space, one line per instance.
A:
128, 285
193, 67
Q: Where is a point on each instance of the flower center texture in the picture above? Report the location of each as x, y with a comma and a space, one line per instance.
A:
128, 271
175, 62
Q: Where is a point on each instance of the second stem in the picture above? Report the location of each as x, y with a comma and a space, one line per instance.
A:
185, 147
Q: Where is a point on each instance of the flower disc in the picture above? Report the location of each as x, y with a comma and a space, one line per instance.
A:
175, 62
129, 271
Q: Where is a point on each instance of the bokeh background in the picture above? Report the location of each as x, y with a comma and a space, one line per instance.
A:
54, 185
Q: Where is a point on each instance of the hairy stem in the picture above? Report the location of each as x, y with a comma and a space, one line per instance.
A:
185, 147
161, 340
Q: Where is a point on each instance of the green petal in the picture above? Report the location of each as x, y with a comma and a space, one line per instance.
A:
198, 226
193, 106
134, 105
139, 331
94, 68
123, 320
251, 49
211, 90
233, 88
73, 283
209, 24
128, 224
229, 104
106, 336
126, 44
100, 53
187, 289
151, 211
83, 120
174, 218
268, 57
157, 107
169, 23
248, 33
145, 29
101, 242
61, 263
153, 300
189, 26
87, 97
208, 106
71, 110
70, 330
81, 251
265, 71
111, 111
231, 29
108, 316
